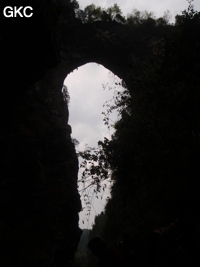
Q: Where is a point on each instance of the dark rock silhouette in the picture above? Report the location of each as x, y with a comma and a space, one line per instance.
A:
108, 256
39, 199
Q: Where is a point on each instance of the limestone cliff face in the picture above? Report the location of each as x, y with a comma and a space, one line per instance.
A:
39, 201
39, 197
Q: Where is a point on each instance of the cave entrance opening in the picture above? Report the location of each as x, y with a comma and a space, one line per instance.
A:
90, 87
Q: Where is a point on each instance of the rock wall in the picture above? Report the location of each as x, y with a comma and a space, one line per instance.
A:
39, 198
39, 201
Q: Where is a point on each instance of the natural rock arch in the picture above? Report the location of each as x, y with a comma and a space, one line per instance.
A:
43, 201
37, 143
40, 202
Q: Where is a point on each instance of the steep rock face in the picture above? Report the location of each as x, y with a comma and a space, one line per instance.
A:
39, 192
39, 198
40, 202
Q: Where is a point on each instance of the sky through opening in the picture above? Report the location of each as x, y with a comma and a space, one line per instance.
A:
87, 97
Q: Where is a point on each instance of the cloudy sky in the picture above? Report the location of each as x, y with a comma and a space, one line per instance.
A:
87, 95
157, 6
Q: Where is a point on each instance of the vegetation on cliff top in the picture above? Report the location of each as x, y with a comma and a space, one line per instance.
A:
153, 155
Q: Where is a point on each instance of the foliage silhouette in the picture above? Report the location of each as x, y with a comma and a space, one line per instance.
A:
152, 158
93, 13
